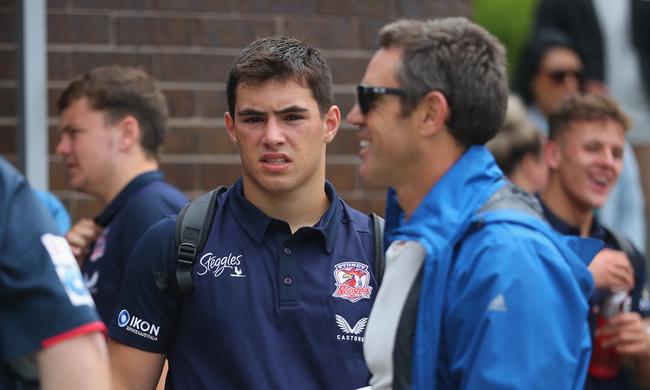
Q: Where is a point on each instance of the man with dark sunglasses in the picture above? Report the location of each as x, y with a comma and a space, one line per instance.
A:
479, 292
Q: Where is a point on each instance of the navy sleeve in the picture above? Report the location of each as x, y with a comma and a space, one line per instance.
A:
42, 296
147, 208
147, 312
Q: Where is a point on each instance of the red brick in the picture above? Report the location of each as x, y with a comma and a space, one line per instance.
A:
182, 103
8, 28
214, 175
81, 207
114, 4
368, 34
8, 135
58, 66
346, 101
234, 32
58, 176
8, 65
276, 6
81, 62
345, 143
157, 31
344, 177
211, 104
211, 141
385, 9
195, 67
435, 9
347, 70
325, 33
77, 28
52, 99
8, 99
184, 176
196, 5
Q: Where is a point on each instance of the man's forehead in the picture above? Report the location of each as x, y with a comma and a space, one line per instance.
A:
382, 68
274, 94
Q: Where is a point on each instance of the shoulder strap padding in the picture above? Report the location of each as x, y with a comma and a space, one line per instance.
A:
193, 226
378, 225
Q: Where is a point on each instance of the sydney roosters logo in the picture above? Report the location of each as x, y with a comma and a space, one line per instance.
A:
352, 280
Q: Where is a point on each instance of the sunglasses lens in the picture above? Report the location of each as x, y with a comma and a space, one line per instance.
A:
365, 98
559, 76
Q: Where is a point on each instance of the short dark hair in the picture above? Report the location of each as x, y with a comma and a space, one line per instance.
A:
121, 91
281, 58
584, 108
516, 138
460, 59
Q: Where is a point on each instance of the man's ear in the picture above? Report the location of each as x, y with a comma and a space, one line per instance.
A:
552, 154
129, 132
230, 127
331, 123
434, 112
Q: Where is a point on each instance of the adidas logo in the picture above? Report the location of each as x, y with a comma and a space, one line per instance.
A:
498, 303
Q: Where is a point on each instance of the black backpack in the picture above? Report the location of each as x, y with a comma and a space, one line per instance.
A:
193, 226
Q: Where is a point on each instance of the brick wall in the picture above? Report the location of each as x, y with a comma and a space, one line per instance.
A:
188, 45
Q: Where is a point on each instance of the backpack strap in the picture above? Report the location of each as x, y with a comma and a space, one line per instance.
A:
380, 262
193, 226
626, 246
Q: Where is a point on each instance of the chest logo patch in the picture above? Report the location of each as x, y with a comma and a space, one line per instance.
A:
352, 280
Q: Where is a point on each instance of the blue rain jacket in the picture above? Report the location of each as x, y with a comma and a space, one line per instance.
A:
504, 298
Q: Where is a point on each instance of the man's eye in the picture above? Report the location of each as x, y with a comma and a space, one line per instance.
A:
294, 117
253, 119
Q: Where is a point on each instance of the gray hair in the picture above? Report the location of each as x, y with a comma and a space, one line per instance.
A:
459, 59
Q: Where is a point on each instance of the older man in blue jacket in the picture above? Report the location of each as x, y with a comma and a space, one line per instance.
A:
479, 292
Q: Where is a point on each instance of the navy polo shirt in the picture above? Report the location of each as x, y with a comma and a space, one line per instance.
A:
271, 309
144, 201
42, 297
640, 293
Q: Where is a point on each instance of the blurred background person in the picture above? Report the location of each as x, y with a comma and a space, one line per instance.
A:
56, 209
613, 38
517, 149
49, 329
552, 70
113, 124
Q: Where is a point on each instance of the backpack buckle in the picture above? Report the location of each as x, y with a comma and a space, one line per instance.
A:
186, 254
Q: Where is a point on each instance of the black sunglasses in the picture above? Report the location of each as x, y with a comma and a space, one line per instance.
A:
366, 95
559, 76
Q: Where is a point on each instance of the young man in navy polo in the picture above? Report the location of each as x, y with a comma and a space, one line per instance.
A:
284, 284
113, 123
585, 156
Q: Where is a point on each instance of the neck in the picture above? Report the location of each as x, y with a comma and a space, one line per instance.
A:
561, 205
426, 172
123, 176
300, 207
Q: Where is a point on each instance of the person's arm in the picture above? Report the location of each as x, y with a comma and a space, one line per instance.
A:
133, 368
612, 269
76, 363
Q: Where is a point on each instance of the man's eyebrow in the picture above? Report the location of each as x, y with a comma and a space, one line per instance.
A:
291, 109
250, 111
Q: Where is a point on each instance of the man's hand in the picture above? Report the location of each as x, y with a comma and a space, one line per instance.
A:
81, 236
612, 269
626, 332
